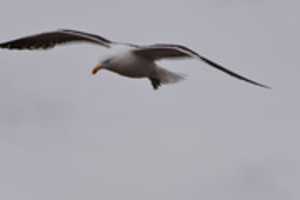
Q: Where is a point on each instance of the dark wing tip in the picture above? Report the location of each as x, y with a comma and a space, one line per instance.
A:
8, 45
5, 45
262, 85
49, 40
231, 73
15, 46
29, 43
258, 84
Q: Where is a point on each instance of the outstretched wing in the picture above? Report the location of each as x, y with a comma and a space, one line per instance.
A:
51, 39
167, 51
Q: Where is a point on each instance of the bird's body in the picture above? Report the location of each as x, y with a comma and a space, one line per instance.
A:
129, 60
130, 65
125, 62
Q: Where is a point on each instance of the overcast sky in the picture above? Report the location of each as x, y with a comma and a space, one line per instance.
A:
65, 134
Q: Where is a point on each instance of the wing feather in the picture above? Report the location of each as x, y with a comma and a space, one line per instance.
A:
171, 51
51, 39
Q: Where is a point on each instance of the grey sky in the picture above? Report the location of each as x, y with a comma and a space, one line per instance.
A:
68, 135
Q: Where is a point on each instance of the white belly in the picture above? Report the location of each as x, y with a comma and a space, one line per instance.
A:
128, 64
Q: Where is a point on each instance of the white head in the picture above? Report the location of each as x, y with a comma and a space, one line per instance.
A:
107, 62
102, 65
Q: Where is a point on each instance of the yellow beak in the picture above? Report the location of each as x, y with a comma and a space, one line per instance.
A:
96, 69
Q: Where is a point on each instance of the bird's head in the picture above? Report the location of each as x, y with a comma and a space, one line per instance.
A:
102, 65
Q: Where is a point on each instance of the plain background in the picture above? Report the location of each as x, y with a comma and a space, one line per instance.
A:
65, 134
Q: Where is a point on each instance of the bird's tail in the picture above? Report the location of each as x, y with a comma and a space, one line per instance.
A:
163, 76
167, 77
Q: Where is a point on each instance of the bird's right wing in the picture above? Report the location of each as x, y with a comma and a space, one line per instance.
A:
51, 39
171, 51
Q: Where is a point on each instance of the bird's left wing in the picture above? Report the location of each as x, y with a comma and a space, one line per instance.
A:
49, 40
169, 51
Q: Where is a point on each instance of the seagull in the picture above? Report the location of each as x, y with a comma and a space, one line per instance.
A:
134, 61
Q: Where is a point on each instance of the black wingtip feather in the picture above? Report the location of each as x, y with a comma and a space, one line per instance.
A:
6, 45
231, 73
48, 40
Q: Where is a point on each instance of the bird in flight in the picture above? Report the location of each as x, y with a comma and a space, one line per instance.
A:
134, 61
